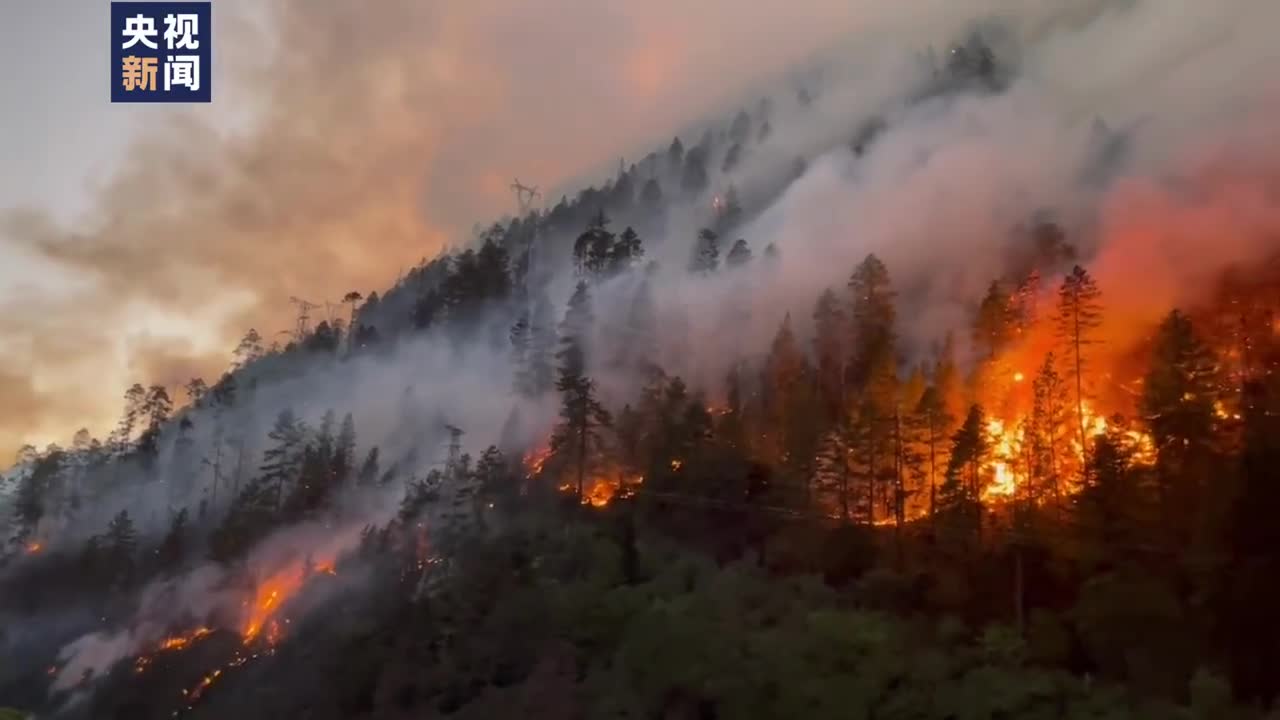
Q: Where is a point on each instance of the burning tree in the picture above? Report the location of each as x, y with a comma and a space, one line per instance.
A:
1079, 315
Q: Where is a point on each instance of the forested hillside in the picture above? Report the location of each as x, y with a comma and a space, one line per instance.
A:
789, 418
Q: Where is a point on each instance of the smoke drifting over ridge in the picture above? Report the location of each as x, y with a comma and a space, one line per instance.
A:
380, 136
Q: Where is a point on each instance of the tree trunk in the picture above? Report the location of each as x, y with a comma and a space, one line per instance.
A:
1084, 448
1018, 589
582, 459
898, 488
933, 465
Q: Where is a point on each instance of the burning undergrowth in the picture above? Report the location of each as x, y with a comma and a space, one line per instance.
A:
193, 631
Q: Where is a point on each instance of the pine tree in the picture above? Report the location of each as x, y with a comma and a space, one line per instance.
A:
1109, 498
368, 474
134, 407
1079, 315
582, 417
933, 421
155, 411
31, 501
961, 493
1048, 422
873, 320
1179, 397
121, 544
594, 247
706, 253
834, 469
790, 406
651, 197
831, 351
249, 350
281, 463
693, 181
675, 155
995, 324
533, 340
196, 390
871, 374
739, 255
626, 253
493, 269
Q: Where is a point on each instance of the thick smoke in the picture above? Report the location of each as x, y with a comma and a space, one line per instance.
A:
374, 137
361, 164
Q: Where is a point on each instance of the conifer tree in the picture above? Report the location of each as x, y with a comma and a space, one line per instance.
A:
831, 351
651, 197
1109, 498
995, 324
594, 248
121, 544
739, 255
1048, 422
626, 253
1179, 397
790, 406
675, 155
961, 493
155, 412
706, 253
134, 408
281, 462
1079, 315
933, 421
582, 417
368, 474
249, 350
871, 376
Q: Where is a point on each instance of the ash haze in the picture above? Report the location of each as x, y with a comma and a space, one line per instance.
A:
377, 138
346, 144
366, 138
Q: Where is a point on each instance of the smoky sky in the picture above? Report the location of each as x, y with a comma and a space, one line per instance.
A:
379, 134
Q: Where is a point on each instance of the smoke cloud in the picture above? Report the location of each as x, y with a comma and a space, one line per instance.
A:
379, 137
372, 138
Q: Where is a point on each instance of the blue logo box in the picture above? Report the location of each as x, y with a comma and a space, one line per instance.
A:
161, 52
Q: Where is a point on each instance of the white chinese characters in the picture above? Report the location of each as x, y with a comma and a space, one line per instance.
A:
139, 29
182, 71
180, 31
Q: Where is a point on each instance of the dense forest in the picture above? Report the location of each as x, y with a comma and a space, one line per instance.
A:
611, 458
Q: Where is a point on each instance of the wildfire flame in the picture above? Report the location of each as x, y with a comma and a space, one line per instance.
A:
171, 643
33, 548
535, 460
271, 594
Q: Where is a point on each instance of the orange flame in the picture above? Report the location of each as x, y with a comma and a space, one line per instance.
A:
271, 594
535, 460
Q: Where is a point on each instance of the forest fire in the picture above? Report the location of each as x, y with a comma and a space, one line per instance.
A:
274, 592
535, 460
170, 644
33, 548
177, 642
